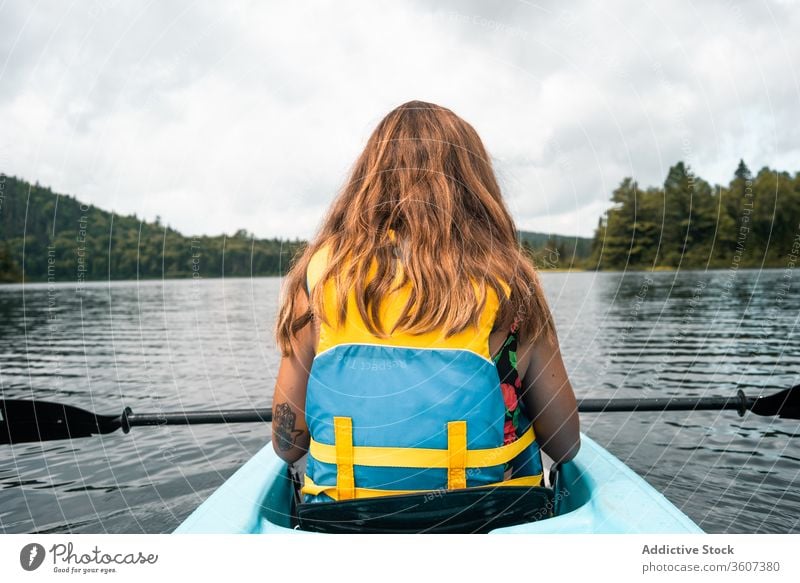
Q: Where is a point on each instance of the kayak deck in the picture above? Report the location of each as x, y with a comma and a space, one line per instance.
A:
600, 494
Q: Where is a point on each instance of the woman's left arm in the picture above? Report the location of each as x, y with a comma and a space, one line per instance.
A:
550, 399
290, 435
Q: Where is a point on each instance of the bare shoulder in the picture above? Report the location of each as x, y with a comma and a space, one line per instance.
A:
535, 348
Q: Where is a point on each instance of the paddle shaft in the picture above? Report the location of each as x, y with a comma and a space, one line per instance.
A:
130, 419
740, 403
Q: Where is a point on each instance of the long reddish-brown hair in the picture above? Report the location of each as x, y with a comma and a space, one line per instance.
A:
424, 174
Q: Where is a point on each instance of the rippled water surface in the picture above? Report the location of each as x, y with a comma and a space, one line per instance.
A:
160, 346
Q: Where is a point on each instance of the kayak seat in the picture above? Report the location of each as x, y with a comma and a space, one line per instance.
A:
469, 510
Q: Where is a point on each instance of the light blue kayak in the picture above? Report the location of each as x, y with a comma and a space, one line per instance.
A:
600, 494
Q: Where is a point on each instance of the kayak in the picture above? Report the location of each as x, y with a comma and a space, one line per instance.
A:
597, 493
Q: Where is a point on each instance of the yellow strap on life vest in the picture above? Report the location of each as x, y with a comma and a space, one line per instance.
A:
309, 487
412, 457
456, 455
343, 438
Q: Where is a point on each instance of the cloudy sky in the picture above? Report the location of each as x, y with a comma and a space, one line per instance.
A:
219, 116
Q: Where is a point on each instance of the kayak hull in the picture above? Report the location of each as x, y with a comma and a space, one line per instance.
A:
599, 494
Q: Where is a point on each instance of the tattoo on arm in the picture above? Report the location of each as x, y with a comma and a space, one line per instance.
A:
283, 426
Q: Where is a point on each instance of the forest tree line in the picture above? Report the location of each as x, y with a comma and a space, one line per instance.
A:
78, 242
754, 221
686, 223
87, 243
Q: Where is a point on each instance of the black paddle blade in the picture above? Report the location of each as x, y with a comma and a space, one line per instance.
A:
25, 421
785, 404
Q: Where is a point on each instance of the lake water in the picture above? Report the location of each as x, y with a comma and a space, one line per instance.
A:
174, 345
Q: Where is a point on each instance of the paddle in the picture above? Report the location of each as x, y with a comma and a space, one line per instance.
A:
25, 421
784, 404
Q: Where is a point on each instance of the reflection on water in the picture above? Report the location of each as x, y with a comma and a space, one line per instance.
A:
158, 346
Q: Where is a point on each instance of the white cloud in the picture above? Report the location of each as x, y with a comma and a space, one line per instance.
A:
219, 116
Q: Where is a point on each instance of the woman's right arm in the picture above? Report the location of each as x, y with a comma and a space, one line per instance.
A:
290, 436
549, 398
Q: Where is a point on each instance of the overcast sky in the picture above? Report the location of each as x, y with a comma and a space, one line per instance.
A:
220, 116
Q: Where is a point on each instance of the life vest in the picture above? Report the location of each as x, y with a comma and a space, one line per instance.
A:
409, 413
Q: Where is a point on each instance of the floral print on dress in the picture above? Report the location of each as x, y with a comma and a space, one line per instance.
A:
516, 422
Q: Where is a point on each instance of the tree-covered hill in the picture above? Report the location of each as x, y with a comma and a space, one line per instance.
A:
58, 238
687, 223
550, 251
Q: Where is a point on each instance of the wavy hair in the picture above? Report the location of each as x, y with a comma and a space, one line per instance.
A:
425, 177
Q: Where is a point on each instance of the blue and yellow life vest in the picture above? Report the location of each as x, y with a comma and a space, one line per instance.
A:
406, 414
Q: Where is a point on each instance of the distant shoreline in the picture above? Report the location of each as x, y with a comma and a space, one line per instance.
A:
149, 280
